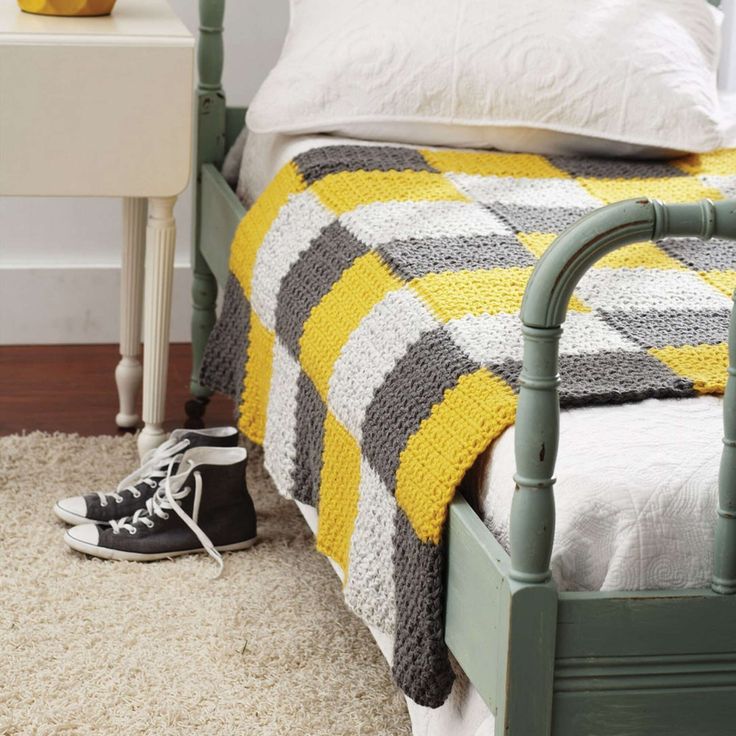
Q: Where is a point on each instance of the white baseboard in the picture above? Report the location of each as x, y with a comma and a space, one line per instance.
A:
69, 305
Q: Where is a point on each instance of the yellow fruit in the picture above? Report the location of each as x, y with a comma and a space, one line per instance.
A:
67, 7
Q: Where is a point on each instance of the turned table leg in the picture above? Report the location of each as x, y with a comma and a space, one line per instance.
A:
128, 372
160, 244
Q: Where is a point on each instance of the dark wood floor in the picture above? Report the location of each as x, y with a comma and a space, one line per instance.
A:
71, 388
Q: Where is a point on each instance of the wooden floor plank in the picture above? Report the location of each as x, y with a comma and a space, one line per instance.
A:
71, 388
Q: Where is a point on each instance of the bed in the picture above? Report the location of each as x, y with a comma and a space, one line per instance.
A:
542, 659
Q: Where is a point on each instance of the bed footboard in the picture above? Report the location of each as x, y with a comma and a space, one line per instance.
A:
644, 663
542, 313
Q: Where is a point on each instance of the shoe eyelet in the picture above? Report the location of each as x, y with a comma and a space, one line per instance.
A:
136, 494
132, 531
166, 516
118, 500
103, 504
116, 531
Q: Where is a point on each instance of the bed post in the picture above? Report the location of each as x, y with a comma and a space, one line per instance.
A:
724, 561
210, 150
537, 421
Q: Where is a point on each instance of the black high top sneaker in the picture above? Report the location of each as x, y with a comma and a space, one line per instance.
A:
133, 492
204, 507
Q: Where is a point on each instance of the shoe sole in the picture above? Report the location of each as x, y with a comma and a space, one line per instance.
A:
117, 554
74, 519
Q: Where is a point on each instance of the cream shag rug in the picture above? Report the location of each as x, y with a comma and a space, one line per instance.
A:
96, 647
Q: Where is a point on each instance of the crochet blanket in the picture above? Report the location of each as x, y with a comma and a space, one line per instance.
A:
370, 335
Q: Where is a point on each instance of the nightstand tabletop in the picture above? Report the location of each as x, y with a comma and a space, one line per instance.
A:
96, 106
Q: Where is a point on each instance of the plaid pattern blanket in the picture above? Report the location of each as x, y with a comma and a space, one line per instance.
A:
370, 335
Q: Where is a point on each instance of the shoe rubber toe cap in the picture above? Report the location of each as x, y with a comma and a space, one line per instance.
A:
85, 533
73, 505
72, 510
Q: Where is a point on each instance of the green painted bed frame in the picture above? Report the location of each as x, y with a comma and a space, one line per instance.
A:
645, 663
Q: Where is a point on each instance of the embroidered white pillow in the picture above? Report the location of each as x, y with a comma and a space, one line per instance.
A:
537, 75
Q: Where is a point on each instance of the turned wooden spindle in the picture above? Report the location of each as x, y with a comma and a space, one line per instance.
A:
129, 371
160, 246
724, 553
211, 111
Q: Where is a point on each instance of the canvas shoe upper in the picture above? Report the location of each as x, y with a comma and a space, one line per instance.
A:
134, 490
204, 506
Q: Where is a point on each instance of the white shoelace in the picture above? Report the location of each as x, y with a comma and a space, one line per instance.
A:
151, 471
159, 502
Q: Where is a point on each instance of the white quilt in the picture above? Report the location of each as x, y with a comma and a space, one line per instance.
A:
636, 494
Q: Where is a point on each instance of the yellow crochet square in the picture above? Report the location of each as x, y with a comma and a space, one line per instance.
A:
257, 382
454, 294
258, 220
676, 189
718, 163
705, 365
439, 453
724, 281
519, 165
637, 255
537, 243
347, 190
339, 312
338, 493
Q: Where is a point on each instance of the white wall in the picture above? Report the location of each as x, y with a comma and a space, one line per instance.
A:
59, 258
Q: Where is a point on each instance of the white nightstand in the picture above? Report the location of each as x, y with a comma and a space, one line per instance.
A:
103, 107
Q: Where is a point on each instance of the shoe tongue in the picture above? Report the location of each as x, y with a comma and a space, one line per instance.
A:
142, 485
177, 480
196, 439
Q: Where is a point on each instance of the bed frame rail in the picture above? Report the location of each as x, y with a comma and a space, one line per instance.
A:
656, 663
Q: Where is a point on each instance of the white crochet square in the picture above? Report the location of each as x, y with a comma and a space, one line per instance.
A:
631, 290
586, 332
279, 444
521, 191
492, 339
290, 234
488, 338
724, 184
381, 222
370, 590
381, 339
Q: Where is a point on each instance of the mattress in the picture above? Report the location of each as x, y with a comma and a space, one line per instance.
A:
636, 490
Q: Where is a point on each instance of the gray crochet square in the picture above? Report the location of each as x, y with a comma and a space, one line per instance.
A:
608, 378
615, 168
709, 255
528, 219
320, 162
657, 329
418, 257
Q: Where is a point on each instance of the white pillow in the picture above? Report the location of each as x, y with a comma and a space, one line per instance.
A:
545, 76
